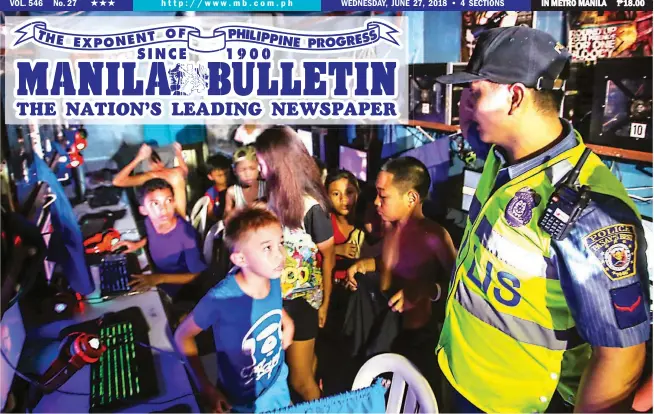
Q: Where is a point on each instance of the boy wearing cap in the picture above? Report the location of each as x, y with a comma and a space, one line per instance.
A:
534, 323
249, 188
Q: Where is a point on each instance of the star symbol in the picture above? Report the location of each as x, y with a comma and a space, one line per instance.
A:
111, 2
102, 3
94, 3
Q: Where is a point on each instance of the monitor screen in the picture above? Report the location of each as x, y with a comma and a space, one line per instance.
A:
12, 333
45, 226
354, 161
307, 139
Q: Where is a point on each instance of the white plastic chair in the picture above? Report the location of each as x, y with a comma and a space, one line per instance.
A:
199, 214
209, 240
406, 380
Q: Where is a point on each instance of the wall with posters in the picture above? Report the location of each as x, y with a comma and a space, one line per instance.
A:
610, 34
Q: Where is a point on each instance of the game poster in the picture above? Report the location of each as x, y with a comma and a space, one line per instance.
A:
611, 34
475, 23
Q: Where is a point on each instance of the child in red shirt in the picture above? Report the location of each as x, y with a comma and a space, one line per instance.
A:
343, 190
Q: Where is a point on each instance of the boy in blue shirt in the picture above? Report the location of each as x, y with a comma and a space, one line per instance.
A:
251, 329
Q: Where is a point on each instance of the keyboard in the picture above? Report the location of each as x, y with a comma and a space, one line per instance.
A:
125, 374
114, 276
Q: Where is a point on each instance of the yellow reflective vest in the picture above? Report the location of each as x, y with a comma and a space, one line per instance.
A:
509, 340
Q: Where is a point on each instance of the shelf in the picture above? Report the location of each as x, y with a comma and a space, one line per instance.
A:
621, 153
437, 126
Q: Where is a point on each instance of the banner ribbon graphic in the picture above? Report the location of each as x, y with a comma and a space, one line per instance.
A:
374, 31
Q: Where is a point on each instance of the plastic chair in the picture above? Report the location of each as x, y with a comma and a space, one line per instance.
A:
199, 214
214, 233
406, 380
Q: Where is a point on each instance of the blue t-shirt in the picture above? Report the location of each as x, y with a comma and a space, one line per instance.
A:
175, 252
248, 338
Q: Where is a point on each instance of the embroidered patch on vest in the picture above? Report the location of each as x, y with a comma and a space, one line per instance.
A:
519, 210
629, 305
615, 247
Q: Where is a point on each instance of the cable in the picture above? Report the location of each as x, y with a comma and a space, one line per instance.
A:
36, 383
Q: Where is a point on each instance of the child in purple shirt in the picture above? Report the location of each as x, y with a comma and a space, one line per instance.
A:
171, 241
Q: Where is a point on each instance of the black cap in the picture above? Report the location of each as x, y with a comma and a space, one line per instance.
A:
517, 54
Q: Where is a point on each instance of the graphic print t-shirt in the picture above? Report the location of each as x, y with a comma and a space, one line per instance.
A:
302, 274
248, 337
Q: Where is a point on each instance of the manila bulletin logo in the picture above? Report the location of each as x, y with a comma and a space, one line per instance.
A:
224, 70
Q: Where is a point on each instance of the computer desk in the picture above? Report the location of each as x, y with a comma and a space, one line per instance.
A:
173, 381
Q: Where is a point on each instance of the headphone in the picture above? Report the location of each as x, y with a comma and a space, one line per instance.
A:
101, 242
76, 350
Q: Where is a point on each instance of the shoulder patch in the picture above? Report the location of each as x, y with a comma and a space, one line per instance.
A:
629, 305
615, 247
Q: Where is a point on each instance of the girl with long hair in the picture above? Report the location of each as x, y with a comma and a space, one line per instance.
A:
296, 194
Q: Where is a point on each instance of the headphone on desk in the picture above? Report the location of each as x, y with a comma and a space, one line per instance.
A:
76, 351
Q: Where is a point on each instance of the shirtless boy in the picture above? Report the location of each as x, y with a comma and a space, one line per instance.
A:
176, 176
416, 261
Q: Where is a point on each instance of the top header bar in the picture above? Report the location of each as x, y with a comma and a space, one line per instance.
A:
321, 5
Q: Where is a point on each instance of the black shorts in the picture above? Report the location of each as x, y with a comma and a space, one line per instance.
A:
305, 318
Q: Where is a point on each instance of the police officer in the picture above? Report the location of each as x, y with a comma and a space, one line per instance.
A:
532, 323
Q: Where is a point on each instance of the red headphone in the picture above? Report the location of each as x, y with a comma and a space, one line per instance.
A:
75, 351
80, 139
102, 242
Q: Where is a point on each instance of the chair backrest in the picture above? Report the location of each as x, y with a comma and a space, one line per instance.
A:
199, 214
214, 233
406, 380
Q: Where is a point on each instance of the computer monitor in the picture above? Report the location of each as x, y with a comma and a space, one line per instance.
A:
354, 161
66, 246
307, 139
12, 338
45, 227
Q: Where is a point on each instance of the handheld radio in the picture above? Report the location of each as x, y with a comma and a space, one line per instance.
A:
566, 203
